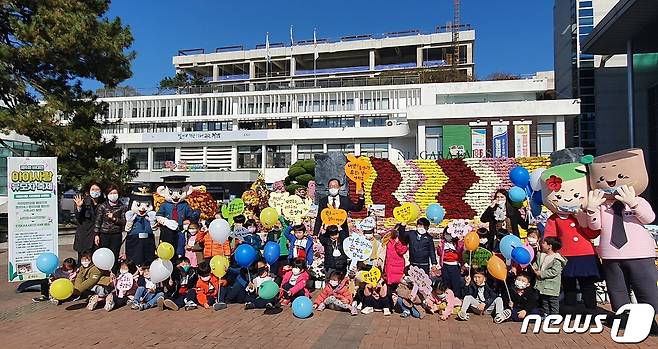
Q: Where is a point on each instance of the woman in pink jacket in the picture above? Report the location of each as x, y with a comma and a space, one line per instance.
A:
394, 263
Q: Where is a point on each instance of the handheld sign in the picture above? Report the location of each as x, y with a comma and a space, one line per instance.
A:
277, 200
312, 211
406, 213
295, 208
459, 227
358, 170
240, 232
232, 209
479, 259
421, 280
357, 248
371, 277
367, 223
333, 216
124, 283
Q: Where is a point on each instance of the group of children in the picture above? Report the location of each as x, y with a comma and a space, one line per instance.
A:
456, 288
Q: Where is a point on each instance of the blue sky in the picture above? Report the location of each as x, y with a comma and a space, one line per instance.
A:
513, 36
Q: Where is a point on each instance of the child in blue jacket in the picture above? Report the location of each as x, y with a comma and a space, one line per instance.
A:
301, 245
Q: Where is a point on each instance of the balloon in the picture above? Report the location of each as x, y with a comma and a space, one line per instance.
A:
103, 258
519, 176
472, 241
165, 250
517, 194
508, 243
160, 270
302, 307
415, 211
535, 207
47, 262
245, 255
521, 255
497, 268
435, 213
531, 251
268, 290
61, 289
271, 252
268, 217
219, 230
535, 179
219, 265
536, 197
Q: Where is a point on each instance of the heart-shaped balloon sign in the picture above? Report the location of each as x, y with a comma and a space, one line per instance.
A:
333, 216
406, 213
358, 170
277, 200
371, 277
295, 208
232, 209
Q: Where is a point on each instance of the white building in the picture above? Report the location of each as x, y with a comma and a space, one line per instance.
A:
368, 97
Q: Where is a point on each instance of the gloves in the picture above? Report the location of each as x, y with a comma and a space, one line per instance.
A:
130, 216
171, 224
151, 216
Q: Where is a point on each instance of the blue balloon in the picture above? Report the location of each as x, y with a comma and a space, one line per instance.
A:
302, 307
535, 208
47, 262
245, 255
520, 255
528, 190
519, 176
536, 197
508, 243
435, 213
516, 194
271, 252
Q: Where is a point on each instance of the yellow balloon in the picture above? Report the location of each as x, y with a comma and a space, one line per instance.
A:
165, 250
219, 265
61, 289
269, 216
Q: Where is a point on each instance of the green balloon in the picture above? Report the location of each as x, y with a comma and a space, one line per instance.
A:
268, 290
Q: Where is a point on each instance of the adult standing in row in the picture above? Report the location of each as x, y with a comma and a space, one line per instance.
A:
503, 219
110, 222
85, 213
338, 202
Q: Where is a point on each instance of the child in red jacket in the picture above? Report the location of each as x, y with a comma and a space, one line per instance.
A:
207, 286
294, 282
336, 294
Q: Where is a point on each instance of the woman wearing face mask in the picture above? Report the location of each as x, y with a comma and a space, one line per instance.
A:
110, 222
503, 219
85, 213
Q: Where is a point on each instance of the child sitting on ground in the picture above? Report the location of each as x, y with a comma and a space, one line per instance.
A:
294, 282
65, 271
409, 303
148, 292
207, 286
481, 299
125, 286
375, 298
442, 299
548, 268
252, 300
336, 294
524, 299
180, 288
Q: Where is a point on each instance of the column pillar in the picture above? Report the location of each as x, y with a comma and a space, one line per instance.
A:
215, 73
372, 59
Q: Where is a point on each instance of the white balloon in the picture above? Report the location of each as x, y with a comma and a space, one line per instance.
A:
535, 179
160, 270
103, 258
219, 230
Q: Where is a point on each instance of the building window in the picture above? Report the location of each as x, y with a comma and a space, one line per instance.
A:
278, 156
112, 128
306, 151
162, 155
139, 128
545, 139
378, 150
265, 124
140, 157
326, 122
165, 127
341, 148
586, 12
372, 121
208, 126
434, 140
250, 156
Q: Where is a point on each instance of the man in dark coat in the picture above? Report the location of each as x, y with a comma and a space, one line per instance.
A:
338, 201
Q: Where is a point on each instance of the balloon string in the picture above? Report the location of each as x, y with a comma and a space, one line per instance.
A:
470, 266
509, 296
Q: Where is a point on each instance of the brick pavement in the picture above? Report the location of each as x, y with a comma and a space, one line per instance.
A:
27, 325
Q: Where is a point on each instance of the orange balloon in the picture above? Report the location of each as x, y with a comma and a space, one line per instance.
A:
472, 241
497, 268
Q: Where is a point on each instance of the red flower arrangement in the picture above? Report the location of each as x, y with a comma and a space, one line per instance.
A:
451, 196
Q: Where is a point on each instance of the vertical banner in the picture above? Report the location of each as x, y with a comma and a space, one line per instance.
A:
32, 212
456, 141
479, 142
521, 141
500, 141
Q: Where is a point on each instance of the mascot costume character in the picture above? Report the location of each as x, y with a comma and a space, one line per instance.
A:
140, 224
175, 209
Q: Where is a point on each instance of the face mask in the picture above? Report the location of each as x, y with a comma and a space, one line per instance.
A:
333, 191
123, 271
192, 232
95, 194
85, 264
296, 271
185, 226
532, 241
441, 296
333, 283
252, 229
421, 231
568, 209
205, 278
113, 197
186, 268
520, 284
484, 241
368, 236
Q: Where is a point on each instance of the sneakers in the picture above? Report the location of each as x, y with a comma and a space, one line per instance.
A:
219, 306
285, 302
41, 298
160, 303
501, 317
462, 315
359, 306
354, 311
93, 301
367, 310
405, 314
109, 302
169, 304
55, 301
189, 305
320, 307
143, 307
378, 310
249, 306
387, 312
134, 306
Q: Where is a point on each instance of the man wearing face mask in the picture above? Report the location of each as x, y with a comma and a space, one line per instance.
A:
339, 202
421, 245
334, 256
110, 222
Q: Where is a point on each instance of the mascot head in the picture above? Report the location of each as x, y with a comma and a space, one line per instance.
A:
564, 188
175, 189
142, 200
610, 171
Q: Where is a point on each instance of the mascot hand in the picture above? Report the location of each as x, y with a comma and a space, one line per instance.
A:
595, 198
171, 224
150, 215
161, 220
130, 216
627, 195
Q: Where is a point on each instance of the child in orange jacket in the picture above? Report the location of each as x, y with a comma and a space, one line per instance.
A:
336, 294
207, 286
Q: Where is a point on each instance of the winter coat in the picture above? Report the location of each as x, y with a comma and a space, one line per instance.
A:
421, 251
181, 282
206, 289
549, 278
212, 248
450, 302
308, 249
86, 217
511, 213
459, 249
330, 261
114, 225
394, 262
299, 285
89, 277
489, 294
404, 291
527, 301
341, 292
